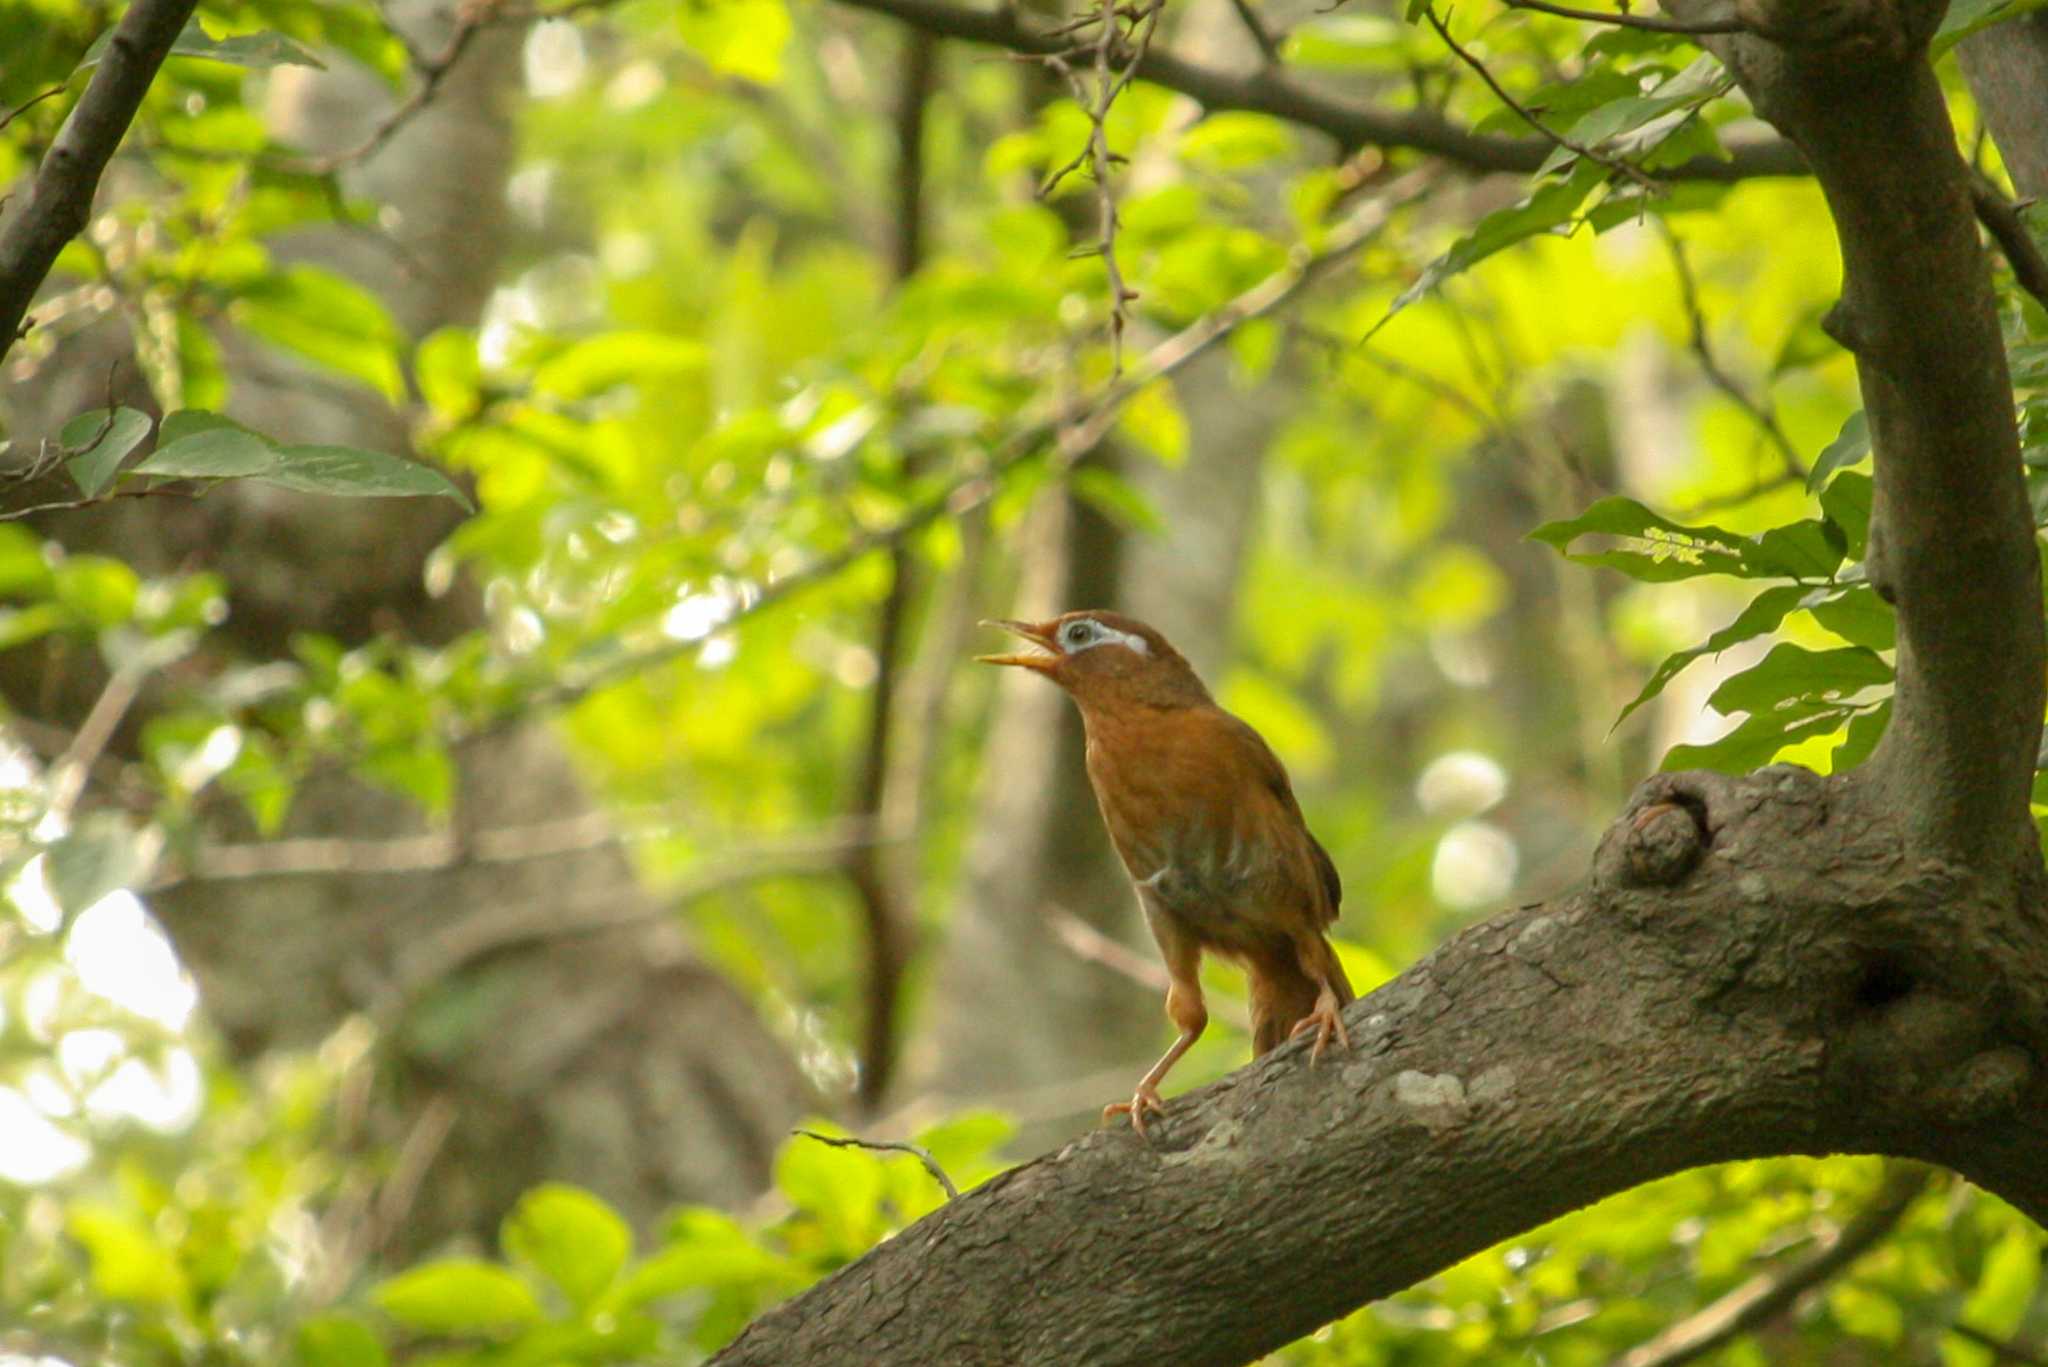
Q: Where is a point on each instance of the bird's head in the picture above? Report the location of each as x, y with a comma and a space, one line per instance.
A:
1101, 657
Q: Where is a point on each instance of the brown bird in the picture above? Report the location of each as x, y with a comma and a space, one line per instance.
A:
1206, 823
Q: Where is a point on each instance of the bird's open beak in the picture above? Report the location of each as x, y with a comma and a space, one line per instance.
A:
1039, 634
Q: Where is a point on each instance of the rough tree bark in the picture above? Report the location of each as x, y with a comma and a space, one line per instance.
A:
1776, 964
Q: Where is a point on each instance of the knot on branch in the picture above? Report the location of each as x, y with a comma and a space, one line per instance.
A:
1886, 29
1664, 841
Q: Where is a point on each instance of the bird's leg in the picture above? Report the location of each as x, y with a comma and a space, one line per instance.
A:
1184, 1007
1324, 1020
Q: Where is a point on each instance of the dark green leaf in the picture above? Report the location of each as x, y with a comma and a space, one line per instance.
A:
1764, 613
97, 441
1846, 502
1759, 738
1657, 550
1864, 733
350, 472
1850, 445
214, 452
1793, 672
1857, 615
257, 50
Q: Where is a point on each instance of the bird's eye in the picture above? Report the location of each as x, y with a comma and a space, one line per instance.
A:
1077, 633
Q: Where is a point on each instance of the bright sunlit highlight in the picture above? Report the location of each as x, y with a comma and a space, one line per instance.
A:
118, 953
36, 1150
696, 616
1461, 783
1475, 865
164, 1098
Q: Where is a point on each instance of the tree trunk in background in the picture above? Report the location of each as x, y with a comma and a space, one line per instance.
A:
2007, 69
614, 1059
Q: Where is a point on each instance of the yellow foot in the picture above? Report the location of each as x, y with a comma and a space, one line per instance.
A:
1143, 1100
1325, 1023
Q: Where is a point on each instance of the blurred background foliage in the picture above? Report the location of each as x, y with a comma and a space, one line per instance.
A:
772, 366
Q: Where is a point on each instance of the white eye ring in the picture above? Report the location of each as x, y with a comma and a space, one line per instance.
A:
1076, 634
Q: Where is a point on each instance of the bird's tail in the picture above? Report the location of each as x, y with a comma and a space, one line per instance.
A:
1283, 992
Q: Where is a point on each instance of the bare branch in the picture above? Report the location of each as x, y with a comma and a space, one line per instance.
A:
59, 204
1648, 23
1273, 91
1268, 46
922, 1155
431, 71
30, 103
1615, 164
1769, 1294
1761, 412
2001, 218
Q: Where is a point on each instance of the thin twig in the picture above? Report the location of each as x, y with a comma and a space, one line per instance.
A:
1762, 413
2001, 218
931, 1164
1090, 945
30, 103
431, 71
68, 774
1116, 56
1269, 47
1763, 1297
1615, 164
1648, 23
1274, 92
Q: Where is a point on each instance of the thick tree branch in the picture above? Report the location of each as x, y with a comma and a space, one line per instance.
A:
1272, 91
1952, 542
1716, 991
59, 203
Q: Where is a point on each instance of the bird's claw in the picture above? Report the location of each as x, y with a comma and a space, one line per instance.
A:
1324, 1022
1143, 1100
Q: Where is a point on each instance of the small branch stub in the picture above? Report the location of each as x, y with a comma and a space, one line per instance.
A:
1662, 844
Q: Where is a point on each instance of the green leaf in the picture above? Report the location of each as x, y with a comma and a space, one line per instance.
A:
706, 1249
1657, 550
740, 38
337, 1340
207, 446
570, 1237
613, 359
329, 320
1758, 739
100, 856
129, 1262
1849, 447
1846, 503
1115, 498
1549, 207
350, 472
1615, 121
458, 1296
255, 50
97, 441
1763, 614
1966, 17
1858, 616
1862, 738
1792, 672
2012, 1271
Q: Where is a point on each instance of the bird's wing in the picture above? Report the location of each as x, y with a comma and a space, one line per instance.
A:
1266, 765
